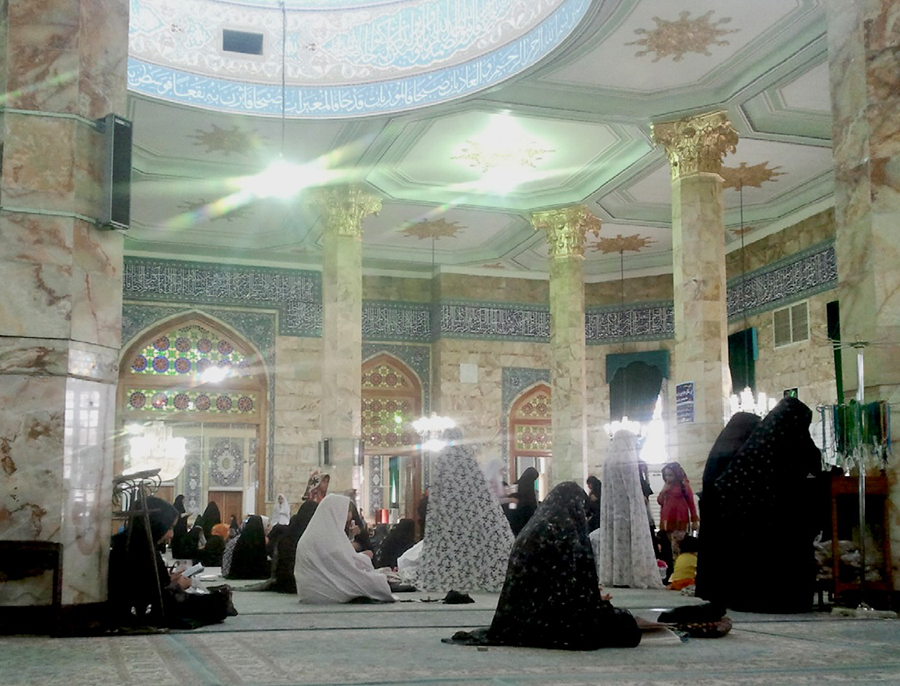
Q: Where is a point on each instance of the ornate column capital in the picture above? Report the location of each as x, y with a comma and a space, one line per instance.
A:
343, 208
566, 228
696, 144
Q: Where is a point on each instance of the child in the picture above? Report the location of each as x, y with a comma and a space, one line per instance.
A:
678, 513
685, 565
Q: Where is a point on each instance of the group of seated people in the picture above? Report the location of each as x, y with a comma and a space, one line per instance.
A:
549, 576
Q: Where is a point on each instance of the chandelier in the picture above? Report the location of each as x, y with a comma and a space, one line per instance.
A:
431, 429
152, 446
624, 424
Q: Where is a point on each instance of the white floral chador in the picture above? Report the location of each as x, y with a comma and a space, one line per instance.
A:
467, 537
622, 544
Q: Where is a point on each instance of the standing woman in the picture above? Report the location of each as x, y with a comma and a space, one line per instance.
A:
526, 501
678, 511
719, 557
625, 554
281, 512
770, 486
468, 539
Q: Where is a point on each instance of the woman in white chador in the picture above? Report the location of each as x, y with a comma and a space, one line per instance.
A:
281, 512
327, 568
622, 544
468, 539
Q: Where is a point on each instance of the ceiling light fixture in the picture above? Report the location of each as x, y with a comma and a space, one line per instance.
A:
283, 179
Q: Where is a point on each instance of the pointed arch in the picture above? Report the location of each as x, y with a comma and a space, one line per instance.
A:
192, 369
391, 390
530, 429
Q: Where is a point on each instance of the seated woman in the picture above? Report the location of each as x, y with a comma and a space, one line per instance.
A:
400, 539
551, 597
248, 558
327, 568
211, 555
286, 549
132, 579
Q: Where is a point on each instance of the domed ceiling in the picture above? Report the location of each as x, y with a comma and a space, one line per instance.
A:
338, 58
465, 116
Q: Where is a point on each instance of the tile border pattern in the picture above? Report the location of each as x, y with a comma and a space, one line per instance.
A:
296, 296
784, 281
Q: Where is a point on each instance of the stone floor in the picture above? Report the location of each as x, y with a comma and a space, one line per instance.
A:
276, 641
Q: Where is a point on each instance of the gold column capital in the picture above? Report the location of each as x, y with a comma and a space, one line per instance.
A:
343, 208
566, 228
696, 144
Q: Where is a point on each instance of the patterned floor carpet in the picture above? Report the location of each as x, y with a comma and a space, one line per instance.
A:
275, 641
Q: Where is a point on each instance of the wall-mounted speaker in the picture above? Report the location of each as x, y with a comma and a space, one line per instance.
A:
115, 210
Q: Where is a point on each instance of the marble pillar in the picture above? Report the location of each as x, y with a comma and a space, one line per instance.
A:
864, 64
695, 147
61, 305
566, 229
343, 209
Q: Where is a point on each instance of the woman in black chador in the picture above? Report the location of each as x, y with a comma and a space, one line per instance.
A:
286, 549
526, 501
718, 559
132, 579
249, 560
551, 597
767, 491
211, 517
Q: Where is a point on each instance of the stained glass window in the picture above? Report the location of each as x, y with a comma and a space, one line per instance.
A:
388, 406
189, 351
531, 422
177, 400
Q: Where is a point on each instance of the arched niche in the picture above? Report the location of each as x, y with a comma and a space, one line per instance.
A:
530, 430
209, 384
391, 401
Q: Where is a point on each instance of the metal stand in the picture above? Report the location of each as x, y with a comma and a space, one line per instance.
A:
130, 493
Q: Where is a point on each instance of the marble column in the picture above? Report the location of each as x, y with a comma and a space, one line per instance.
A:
695, 147
566, 228
864, 64
60, 312
343, 209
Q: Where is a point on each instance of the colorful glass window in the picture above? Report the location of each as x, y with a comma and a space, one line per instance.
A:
177, 400
190, 351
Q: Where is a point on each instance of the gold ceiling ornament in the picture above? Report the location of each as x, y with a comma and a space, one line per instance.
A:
621, 244
736, 177
343, 208
676, 38
213, 214
696, 144
566, 228
485, 156
436, 228
227, 141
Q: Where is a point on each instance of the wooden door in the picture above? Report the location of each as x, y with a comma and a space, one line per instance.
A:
167, 493
230, 503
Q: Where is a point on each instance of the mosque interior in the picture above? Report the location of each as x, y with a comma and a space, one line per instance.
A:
533, 217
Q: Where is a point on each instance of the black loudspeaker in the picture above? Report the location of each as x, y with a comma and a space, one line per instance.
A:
115, 210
